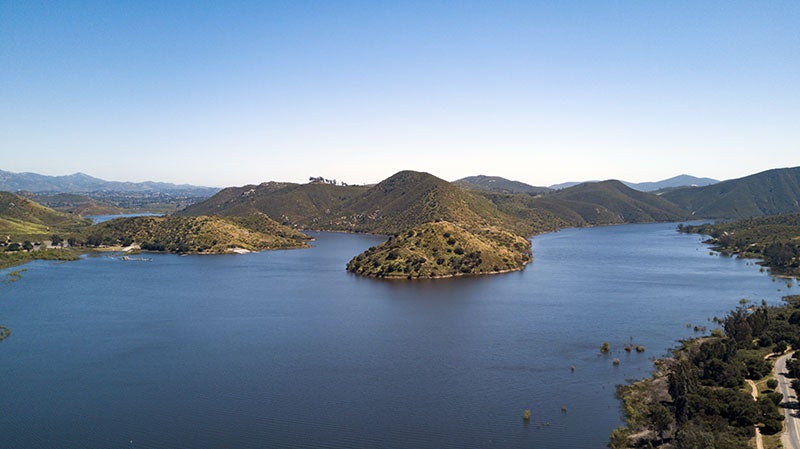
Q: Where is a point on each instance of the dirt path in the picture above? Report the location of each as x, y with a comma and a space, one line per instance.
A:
754, 393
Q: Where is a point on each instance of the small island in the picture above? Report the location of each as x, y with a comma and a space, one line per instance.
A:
443, 249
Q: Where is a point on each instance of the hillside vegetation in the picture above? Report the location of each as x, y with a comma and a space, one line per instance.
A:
443, 249
204, 235
23, 219
775, 239
767, 193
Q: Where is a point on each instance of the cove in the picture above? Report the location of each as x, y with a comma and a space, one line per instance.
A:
287, 349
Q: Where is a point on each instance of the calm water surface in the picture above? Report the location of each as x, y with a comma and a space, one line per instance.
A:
286, 349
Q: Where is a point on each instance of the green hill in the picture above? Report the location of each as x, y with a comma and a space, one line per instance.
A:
767, 193
498, 184
203, 234
408, 199
23, 219
443, 249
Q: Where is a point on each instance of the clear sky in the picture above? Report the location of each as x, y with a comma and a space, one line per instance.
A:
231, 93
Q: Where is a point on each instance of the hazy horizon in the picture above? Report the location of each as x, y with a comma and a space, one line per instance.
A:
538, 92
306, 180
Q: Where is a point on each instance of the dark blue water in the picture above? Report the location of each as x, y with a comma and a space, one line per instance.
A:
286, 349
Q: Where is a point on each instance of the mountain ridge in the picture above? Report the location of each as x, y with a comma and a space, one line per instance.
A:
770, 192
682, 180
83, 183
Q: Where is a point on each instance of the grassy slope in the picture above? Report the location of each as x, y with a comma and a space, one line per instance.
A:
23, 219
767, 193
443, 249
202, 234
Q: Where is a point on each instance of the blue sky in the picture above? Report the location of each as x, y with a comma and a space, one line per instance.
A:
230, 93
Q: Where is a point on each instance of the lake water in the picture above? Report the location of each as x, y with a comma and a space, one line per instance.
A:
286, 349
96, 219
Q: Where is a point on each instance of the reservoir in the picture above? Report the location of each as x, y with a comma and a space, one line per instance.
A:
286, 349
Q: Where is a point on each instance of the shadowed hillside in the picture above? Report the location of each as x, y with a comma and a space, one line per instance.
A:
596, 203
767, 193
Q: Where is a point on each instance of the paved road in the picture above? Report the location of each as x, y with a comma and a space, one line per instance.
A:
791, 436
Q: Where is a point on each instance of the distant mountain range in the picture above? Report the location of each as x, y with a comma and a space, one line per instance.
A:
82, 183
676, 181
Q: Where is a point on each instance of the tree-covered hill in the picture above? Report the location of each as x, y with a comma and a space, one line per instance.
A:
770, 192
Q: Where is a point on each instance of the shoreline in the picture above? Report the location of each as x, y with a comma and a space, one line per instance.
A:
449, 276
